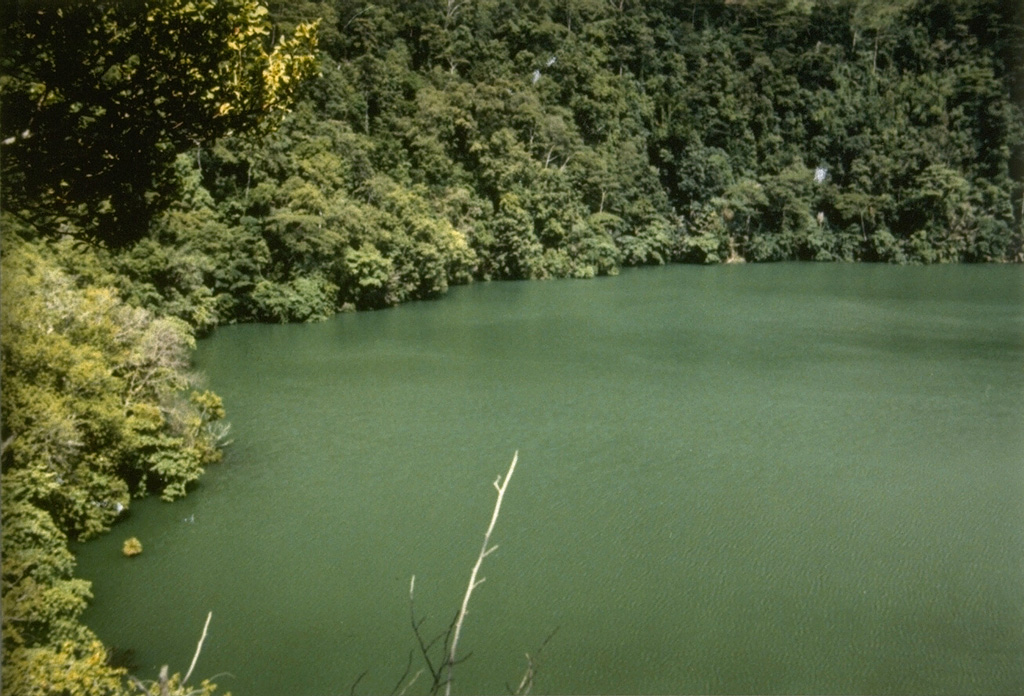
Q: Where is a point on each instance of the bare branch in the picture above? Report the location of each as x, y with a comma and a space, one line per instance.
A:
352, 690
164, 687
526, 683
448, 634
411, 682
476, 569
408, 668
437, 673
198, 649
138, 683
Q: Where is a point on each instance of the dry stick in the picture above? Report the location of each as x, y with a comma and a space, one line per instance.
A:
164, 688
500, 486
352, 690
411, 682
436, 673
531, 668
424, 647
408, 668
199, 647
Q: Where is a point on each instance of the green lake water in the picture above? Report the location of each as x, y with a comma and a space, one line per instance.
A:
763, 479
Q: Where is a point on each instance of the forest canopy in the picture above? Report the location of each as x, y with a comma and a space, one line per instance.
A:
97, 98
448, 142
443, 142
98, 403
172, 165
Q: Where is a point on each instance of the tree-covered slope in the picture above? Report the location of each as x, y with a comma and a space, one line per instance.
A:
97, 401
97, 407
449, 141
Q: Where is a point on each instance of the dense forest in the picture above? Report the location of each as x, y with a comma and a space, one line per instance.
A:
169, 166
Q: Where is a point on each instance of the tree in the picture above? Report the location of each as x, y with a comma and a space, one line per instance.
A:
97, 403
97, 99
514, 250
96, 406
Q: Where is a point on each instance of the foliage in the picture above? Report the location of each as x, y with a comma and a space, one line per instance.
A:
45, 648
565, 140
96, 398
97, 406
97, 98
439, 144
96, 102
69, 669
131, 547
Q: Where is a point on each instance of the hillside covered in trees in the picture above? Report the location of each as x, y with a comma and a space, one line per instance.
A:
447, 142
170, 166
499, 140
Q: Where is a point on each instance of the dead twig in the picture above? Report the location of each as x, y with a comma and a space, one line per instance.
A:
526, 683
352, 689
408, 668
198, 649
500, 485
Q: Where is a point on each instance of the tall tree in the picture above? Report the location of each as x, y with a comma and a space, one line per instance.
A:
97, 99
